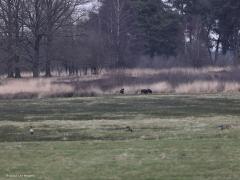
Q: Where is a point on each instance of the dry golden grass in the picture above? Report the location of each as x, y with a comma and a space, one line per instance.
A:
173, 80
39, 87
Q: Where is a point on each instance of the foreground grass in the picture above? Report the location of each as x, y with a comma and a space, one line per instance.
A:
174, 137
139, 159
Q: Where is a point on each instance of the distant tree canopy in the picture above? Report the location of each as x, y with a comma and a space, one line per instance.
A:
160, 27
218, 18
60, 35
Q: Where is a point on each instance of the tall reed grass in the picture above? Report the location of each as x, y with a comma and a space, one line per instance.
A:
172, 80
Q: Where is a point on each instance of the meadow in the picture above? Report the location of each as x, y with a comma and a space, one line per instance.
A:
175, 137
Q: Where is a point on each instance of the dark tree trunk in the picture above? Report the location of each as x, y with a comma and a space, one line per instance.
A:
10, 72
48, 57
48, 70
17, 68
85, 71
210, 55
217, 51
36, 58
35, 69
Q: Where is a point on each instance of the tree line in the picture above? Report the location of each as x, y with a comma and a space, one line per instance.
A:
57, 35
27, 31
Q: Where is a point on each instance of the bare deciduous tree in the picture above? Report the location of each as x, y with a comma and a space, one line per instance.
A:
116, 23
58, 14
34, 22
11, 28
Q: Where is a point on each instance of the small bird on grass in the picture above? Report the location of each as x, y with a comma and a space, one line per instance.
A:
31, 130
224, 126
129, 129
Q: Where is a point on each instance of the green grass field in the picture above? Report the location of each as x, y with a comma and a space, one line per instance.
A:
174, 137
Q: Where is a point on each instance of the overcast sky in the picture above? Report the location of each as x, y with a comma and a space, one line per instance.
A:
90, 5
